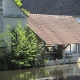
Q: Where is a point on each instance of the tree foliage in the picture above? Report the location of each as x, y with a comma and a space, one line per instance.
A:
18, 2
25, 46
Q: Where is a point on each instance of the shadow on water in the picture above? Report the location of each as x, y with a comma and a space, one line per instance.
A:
42, 72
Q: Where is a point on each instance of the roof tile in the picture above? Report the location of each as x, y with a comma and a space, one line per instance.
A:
55, 29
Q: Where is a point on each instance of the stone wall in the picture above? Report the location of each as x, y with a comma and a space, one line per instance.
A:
1, 23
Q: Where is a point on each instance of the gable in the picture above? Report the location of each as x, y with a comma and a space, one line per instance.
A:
11, 9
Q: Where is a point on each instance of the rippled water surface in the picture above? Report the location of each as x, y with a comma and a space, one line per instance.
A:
35, 73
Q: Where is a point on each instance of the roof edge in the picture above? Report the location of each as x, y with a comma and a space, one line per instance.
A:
49, 15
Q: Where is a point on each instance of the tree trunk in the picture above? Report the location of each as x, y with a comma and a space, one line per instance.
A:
61, 51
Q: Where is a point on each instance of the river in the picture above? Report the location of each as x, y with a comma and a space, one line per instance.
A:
42, 72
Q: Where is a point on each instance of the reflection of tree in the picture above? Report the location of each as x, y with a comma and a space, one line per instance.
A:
32, 74
25, 74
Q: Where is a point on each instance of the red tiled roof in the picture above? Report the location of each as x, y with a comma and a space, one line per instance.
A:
55, 29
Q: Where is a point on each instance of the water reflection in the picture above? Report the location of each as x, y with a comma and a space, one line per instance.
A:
32, 74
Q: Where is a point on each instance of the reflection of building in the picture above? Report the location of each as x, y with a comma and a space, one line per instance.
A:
64, 70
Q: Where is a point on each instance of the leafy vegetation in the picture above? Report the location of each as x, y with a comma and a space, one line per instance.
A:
25, 46
25, 49
18, 2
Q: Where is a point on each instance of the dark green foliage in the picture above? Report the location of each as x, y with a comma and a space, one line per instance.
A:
25, 50
25, 46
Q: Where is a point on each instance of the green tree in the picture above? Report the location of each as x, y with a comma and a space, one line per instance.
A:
25, 46
25, 49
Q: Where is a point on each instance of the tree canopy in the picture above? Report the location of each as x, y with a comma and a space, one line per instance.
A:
25, 46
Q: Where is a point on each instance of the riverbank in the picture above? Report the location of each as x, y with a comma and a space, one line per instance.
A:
61, 61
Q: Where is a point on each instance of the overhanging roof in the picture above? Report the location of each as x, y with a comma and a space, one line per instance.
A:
55, 29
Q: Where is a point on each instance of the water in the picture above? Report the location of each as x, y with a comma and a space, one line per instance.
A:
35, 73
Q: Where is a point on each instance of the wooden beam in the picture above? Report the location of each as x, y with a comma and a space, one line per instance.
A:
65, 46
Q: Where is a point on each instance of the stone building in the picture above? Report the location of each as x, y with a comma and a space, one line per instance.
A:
10, 14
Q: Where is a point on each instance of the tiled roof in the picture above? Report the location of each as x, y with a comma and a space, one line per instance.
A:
52, 7
55, 29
